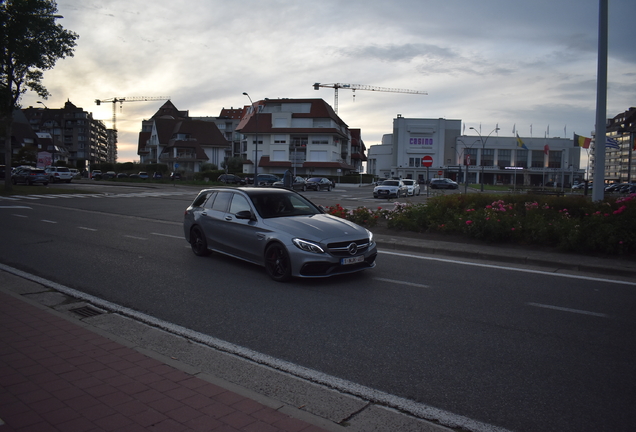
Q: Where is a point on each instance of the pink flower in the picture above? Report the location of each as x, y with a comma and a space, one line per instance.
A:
469, 222
513, 229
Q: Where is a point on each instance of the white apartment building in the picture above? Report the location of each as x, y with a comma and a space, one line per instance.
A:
305, 136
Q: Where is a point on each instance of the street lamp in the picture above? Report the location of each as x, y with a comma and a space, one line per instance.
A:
256, 142
466, 146
483, 147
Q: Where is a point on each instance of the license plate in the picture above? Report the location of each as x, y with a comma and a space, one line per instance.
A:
352, 260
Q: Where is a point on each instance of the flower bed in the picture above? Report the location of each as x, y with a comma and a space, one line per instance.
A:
571, 223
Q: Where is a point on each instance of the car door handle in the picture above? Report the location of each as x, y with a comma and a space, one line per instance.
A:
228, 218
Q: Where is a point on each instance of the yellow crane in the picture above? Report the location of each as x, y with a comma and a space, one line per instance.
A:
355, 87
121, 100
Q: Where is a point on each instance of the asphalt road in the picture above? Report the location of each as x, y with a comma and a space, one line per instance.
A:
521, 351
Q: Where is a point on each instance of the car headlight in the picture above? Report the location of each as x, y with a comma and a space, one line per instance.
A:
370, 234
307, 246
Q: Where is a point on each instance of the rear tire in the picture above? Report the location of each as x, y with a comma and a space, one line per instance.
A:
198, 243
277, 262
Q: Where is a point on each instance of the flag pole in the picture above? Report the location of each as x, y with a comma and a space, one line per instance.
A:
598, 190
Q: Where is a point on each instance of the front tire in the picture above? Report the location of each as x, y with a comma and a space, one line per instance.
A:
198, 243
277, 262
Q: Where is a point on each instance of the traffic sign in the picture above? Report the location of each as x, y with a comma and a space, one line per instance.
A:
427, 161
440, 172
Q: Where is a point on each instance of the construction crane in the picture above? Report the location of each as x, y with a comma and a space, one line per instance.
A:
355, 87
121, 100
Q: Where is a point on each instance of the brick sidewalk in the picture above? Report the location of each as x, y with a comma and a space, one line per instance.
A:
56, 375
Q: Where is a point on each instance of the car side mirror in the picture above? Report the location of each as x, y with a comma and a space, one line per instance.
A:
245, 214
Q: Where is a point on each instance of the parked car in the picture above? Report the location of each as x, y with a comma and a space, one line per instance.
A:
266, 179
614, 187
412, 187
175, 176
157, 175
231, 179
319, 183
30, 175
96, 174
109, 175
59, 174
443, 183
298, 183
390, 188
122, 175
142, 175
301, 241
75, 173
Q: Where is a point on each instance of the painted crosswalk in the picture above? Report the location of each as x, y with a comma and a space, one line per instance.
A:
95, 195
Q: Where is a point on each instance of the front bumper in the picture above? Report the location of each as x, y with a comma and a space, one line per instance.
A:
310, 265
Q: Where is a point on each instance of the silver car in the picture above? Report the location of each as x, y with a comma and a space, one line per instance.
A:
278, 229
390, 188
412, 187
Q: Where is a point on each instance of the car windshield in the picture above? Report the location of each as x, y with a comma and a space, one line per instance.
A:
314, 179
273, 205
390, 183
408, 182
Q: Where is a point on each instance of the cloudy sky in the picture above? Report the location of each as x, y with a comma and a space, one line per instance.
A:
485, 62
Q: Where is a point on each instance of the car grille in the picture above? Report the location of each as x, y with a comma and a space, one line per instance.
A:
342, 248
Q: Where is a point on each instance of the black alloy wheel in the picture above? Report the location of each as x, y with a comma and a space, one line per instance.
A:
277, 262
198, 243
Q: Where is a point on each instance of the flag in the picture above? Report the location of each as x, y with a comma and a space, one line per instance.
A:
520, 143
546, 149
612, 143
581, 141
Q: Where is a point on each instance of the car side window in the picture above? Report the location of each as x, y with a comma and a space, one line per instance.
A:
210, 200
239, 203
222, 201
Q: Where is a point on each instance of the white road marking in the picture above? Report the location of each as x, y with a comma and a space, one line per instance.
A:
19, 215
564, 309
136, 238
49, 221
547, 273
401, 282
168, 235
87, 229
16, 207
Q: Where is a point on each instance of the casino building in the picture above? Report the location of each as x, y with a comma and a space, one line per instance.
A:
431, 148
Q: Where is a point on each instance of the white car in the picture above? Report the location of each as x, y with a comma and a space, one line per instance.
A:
390, 188
412, 187
59, 174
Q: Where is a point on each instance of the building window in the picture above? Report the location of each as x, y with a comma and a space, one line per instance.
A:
414, 162
299, 141
522, 158
503, 158
279, 155
280, 139
537, 159
318, 156
488, 157
554, 159
280, 122
320, 140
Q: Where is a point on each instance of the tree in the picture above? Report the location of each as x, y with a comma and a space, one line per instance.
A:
31, 43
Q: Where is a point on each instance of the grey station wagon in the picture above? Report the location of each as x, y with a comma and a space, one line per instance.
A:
278, 229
